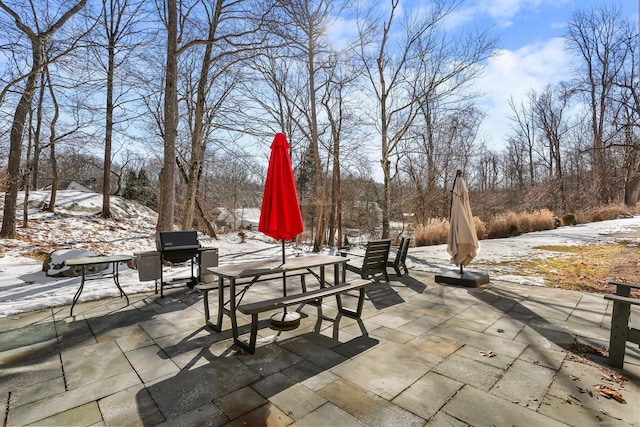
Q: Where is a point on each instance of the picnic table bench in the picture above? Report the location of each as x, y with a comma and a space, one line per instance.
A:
621, 331
315, 295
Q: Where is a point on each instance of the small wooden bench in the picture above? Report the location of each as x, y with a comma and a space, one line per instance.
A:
621, 332
315, 295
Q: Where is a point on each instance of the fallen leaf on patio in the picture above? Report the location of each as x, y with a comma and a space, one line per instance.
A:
610, 393
612, 376
582, 349
487, 354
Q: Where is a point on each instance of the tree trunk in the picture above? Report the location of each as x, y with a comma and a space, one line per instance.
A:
8, 230
108, 134
195, 163
168, 176
52, 144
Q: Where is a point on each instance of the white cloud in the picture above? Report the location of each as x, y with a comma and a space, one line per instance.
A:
500, 12
512, 74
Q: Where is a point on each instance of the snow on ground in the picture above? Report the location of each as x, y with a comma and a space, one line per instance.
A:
76, 225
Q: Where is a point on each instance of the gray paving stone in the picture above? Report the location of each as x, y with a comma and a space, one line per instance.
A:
265, 415
86, 364
4, 402
328, 415
477, 408
505, 327
311, 376
457, 322
85, 415
524, 383
469, 371
128, 337
573, 413
270, 359
37, 391
132, 406
205, 415
544, 357
190, 389
367, 407
388, 368
577, 380
480, 313
151, 363
24, 369
388, 334
17, 337
239, 402
292, 398
22, 320
426, 396
545, 337
442, 419
316, 349
70, 399
487, 342
436, 345
421, 325
481, 355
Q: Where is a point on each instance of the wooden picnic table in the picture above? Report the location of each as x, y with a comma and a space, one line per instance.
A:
266, 269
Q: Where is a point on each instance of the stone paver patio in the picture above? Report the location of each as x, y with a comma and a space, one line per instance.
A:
422, 354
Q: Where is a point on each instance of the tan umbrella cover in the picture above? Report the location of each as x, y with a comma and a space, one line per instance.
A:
462, 243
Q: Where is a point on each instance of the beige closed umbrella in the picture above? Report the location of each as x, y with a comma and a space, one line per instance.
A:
462, 243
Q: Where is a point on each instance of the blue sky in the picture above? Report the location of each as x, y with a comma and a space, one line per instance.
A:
533, 54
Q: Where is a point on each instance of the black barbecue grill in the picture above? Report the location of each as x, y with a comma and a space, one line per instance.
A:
177, 247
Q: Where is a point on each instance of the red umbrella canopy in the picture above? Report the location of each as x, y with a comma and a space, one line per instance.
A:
280, 216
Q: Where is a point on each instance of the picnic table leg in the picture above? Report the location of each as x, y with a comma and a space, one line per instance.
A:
218, 325
619, 328
116, 280
79, 291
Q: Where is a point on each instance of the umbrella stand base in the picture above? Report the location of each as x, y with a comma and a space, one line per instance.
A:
469, 279
286, 319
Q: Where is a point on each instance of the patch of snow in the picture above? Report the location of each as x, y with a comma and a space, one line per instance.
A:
77, 227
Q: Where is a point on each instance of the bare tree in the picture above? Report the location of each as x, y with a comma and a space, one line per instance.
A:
550, 110
37, 35
522, 143
595, 36
425, 69
119, 20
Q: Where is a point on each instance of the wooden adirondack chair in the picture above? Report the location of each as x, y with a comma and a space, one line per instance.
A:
398, 263
374, 261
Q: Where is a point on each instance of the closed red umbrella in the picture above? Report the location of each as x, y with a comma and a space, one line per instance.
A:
280, 216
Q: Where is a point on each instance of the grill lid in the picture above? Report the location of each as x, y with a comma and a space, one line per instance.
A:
176, 240
177, 246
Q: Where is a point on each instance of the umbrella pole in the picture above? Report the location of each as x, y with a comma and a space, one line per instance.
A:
284, 278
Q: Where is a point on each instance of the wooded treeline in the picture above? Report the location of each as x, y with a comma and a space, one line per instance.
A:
185, 97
